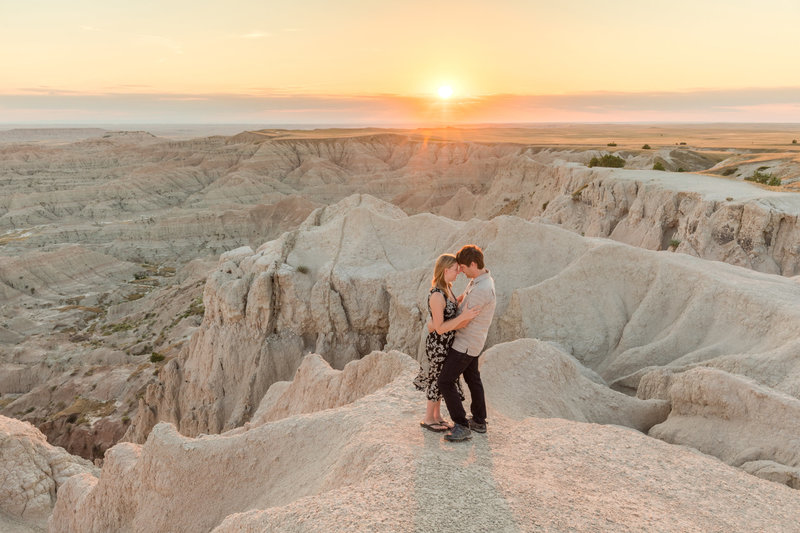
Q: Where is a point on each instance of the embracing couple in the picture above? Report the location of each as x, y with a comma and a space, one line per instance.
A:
456, 334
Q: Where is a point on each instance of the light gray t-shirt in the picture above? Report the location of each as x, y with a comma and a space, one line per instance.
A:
479, 292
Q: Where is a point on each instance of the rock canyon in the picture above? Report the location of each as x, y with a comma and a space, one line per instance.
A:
220, 333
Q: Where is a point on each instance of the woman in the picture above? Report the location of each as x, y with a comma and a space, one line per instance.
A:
445, 318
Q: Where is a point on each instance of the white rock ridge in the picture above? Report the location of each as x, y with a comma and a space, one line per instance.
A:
364, 464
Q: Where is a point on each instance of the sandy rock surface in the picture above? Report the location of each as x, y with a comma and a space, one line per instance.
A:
379, 471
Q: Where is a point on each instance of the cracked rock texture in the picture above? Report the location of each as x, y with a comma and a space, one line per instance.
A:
31, 472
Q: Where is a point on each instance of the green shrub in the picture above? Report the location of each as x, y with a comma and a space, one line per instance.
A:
302, 269
674, 243
658, 166
794, 141
611, 144
681, 169
729, 171
608, 160
764, 178
156, 357
646, 147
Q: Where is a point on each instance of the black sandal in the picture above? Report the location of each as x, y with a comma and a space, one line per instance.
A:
436, 427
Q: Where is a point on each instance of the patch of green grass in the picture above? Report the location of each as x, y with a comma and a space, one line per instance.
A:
658, 165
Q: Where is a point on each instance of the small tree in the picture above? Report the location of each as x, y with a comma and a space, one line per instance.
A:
646, 147
658, 166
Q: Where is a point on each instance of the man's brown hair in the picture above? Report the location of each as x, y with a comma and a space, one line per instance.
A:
469, 254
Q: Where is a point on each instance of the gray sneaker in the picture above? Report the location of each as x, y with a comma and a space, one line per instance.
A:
458, 433
476, 427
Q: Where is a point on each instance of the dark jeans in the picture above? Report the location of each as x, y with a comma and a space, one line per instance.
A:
455, 364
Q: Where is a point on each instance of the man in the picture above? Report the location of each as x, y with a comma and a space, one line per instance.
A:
462, 358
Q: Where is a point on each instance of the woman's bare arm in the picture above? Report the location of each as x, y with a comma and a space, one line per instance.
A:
441, 327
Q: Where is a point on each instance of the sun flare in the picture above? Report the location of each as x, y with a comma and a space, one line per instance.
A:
445, 91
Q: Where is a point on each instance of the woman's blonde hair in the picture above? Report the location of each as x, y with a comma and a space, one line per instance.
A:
443, 262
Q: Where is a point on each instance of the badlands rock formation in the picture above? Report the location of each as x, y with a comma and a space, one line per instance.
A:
378, 471
116, 313
349, 280
80, 333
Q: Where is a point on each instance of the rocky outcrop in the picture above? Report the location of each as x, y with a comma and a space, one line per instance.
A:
31, 472
528, 377
316, 386
352, 279
378, 471
326, 288
731, 417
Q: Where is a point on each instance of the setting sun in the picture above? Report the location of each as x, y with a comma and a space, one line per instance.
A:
445, 91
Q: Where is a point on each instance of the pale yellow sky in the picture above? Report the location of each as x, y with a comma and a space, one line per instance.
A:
303, 52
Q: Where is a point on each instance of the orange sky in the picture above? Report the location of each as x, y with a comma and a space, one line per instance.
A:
358, 61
